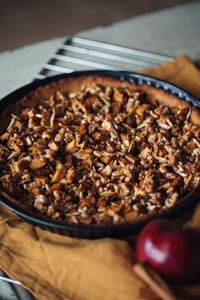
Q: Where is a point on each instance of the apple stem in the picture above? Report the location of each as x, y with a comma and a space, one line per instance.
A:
152, 279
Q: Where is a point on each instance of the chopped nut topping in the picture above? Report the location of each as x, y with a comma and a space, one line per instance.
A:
99, 156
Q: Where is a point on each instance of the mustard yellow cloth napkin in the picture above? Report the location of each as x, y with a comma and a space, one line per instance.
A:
181, 72
58, 267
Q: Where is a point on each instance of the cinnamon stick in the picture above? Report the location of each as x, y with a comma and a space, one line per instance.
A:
192, 291
183, 292
147, 293
196, 216
154, 281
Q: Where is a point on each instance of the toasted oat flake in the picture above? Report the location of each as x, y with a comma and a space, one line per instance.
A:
99, 155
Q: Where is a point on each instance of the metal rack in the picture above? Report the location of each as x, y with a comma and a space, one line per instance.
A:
82, 54
78, 54
12, 289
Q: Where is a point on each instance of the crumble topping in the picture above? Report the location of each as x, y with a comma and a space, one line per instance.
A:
99, 155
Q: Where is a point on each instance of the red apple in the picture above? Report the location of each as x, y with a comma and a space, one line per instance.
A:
173, 253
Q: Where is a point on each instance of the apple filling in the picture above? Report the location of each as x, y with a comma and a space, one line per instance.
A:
99, 155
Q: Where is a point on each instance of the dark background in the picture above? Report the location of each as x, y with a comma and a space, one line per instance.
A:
24, 22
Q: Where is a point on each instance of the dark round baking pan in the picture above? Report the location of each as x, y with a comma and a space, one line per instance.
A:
94, 231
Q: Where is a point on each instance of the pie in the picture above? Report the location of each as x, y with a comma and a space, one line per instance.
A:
97, 151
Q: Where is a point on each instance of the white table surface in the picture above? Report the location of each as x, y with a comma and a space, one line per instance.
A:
173, 32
